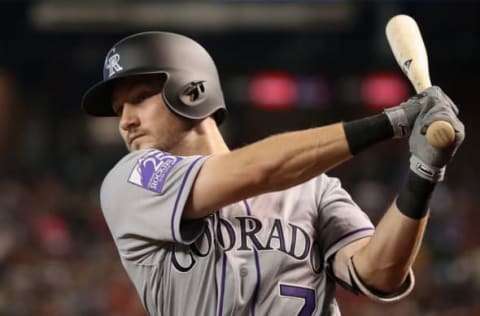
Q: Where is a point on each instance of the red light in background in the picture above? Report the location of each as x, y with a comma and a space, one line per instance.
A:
382, 90
273, 90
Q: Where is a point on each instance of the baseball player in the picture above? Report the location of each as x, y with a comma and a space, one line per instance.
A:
260, 230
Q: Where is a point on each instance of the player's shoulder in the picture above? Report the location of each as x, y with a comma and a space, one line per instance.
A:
316, 183
325, 185
324, 180
141, 166
124, 166
315, 186
329, 179
130, 159
144, 160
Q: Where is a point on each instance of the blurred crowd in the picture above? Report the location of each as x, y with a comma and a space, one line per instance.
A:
56, 254
57, 257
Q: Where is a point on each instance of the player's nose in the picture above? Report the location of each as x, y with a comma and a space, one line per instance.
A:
129, 117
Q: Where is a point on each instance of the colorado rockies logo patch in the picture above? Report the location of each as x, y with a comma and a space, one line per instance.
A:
113, 64
151, 170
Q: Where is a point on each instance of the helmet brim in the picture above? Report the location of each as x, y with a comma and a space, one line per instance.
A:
97, 101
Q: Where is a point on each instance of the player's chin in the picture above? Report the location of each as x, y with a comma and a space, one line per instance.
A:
135, 145
139, 145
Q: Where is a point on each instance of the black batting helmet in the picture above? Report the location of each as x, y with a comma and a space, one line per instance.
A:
191, 89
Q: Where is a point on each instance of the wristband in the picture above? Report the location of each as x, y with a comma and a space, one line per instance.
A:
414, 197
363, 133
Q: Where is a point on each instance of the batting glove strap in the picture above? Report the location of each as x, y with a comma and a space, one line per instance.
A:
425, 171
399, 121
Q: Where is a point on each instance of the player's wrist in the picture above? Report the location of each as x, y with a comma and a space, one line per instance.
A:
365, 132
414, 197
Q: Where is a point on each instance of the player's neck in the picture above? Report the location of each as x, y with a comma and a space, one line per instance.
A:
204, 139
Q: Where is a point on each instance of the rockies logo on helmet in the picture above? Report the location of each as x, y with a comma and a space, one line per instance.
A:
112, 64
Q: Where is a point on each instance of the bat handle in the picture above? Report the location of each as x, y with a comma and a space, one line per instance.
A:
440, 134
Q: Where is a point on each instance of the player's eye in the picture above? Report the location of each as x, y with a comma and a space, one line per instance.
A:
117, 108
142, 96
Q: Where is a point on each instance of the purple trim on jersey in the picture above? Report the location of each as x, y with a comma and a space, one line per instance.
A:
222, 289
257, 266
184, 180
353, 232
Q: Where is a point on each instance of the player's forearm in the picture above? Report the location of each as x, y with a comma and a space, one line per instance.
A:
292, 158
295, 157
384, 262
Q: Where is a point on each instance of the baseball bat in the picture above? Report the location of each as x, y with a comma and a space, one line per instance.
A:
409, 50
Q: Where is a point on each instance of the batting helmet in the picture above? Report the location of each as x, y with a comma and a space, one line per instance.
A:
191, 89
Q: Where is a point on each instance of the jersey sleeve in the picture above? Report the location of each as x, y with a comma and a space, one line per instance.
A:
341, 221
143, 198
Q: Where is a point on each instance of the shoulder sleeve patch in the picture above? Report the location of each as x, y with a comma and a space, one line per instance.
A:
152, 169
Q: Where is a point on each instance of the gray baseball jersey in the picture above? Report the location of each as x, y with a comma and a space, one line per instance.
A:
266, 255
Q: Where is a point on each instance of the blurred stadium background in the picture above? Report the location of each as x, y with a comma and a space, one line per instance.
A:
285, 65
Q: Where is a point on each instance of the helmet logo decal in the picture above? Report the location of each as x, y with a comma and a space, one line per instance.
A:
193, 93
113, 65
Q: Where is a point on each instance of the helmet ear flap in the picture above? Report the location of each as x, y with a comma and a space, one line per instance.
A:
193, 93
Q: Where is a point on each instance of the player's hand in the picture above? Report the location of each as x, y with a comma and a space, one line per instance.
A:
427, 161
403, 117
